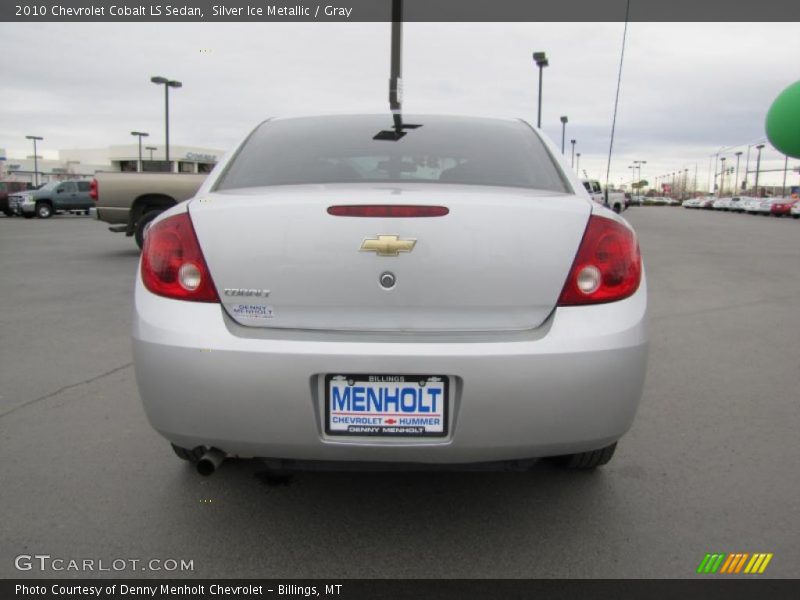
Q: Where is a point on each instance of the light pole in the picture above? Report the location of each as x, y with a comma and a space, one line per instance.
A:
736, 180
578, 163
722, 177
140, 135
633, 175
167, 83
563, 132
35, 138
151, 148
685, 183
639, 164
573, 152
785, 166
758, 167
540, 58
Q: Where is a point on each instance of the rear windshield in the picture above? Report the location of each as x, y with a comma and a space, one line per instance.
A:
441, 150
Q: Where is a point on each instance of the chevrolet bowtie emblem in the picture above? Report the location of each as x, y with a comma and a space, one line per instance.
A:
387, 245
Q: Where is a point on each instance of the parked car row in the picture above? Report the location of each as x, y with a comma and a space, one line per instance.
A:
777, 207
653, 201
51, 198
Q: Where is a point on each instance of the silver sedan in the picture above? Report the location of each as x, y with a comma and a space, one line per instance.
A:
367, 289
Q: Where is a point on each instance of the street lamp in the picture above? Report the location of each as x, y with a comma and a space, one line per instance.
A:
736, 180
563, 132
685, 183
35, 138
573, 152
758, 166
785, 167
722, 177
168, 83
151, 148
140, 135
639, 164
578, 163
633, 175
540, 58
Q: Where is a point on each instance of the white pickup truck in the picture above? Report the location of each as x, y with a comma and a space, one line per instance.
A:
615, 201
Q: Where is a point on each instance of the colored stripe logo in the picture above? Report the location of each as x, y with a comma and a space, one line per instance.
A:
735, 563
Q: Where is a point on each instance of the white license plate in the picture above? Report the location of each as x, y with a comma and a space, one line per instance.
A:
386, 405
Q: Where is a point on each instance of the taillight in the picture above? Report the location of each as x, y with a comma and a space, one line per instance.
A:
608, 266
93, 190
387, 210
172, 262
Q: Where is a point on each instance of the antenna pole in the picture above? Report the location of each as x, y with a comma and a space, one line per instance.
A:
395, 77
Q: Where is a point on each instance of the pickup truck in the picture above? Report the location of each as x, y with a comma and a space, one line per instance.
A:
52, 198
615, 201
10, 187
130, 201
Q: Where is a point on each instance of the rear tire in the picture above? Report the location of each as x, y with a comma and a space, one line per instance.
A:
587, 460
141, 226
192, 456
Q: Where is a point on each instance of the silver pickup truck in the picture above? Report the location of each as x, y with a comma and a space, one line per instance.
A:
130, 201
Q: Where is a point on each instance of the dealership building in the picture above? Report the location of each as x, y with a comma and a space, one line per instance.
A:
84, 163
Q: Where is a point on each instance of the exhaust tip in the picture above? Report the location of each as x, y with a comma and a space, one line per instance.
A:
210, 461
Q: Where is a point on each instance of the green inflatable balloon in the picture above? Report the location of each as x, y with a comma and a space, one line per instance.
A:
783, 121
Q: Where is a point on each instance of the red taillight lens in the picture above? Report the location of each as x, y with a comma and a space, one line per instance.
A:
94, 190
608, 265
387, 210
172, 263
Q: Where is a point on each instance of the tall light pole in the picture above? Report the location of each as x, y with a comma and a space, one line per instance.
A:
140, 135
758, 167
578, 163
633, 175
785, 166
151, 148
639, 164
35, 138
563, 132
736, 180
167, 83
722, 177
573, 152
540, 58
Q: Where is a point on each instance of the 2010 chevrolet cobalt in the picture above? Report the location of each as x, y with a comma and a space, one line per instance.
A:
367, 289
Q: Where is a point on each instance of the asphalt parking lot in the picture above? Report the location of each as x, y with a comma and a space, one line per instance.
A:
711, 464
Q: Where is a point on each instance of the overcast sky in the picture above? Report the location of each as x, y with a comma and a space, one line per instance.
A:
687, 89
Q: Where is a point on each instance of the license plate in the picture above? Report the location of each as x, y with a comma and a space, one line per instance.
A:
386, 405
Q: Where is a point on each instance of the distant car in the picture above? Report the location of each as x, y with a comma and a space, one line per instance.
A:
692, 203
707, 202
735, 204
751, 205
783, 207
344, 291
8, 188
721, 204
765, 207
55, 197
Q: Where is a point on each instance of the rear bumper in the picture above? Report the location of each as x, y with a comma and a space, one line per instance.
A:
572, 385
